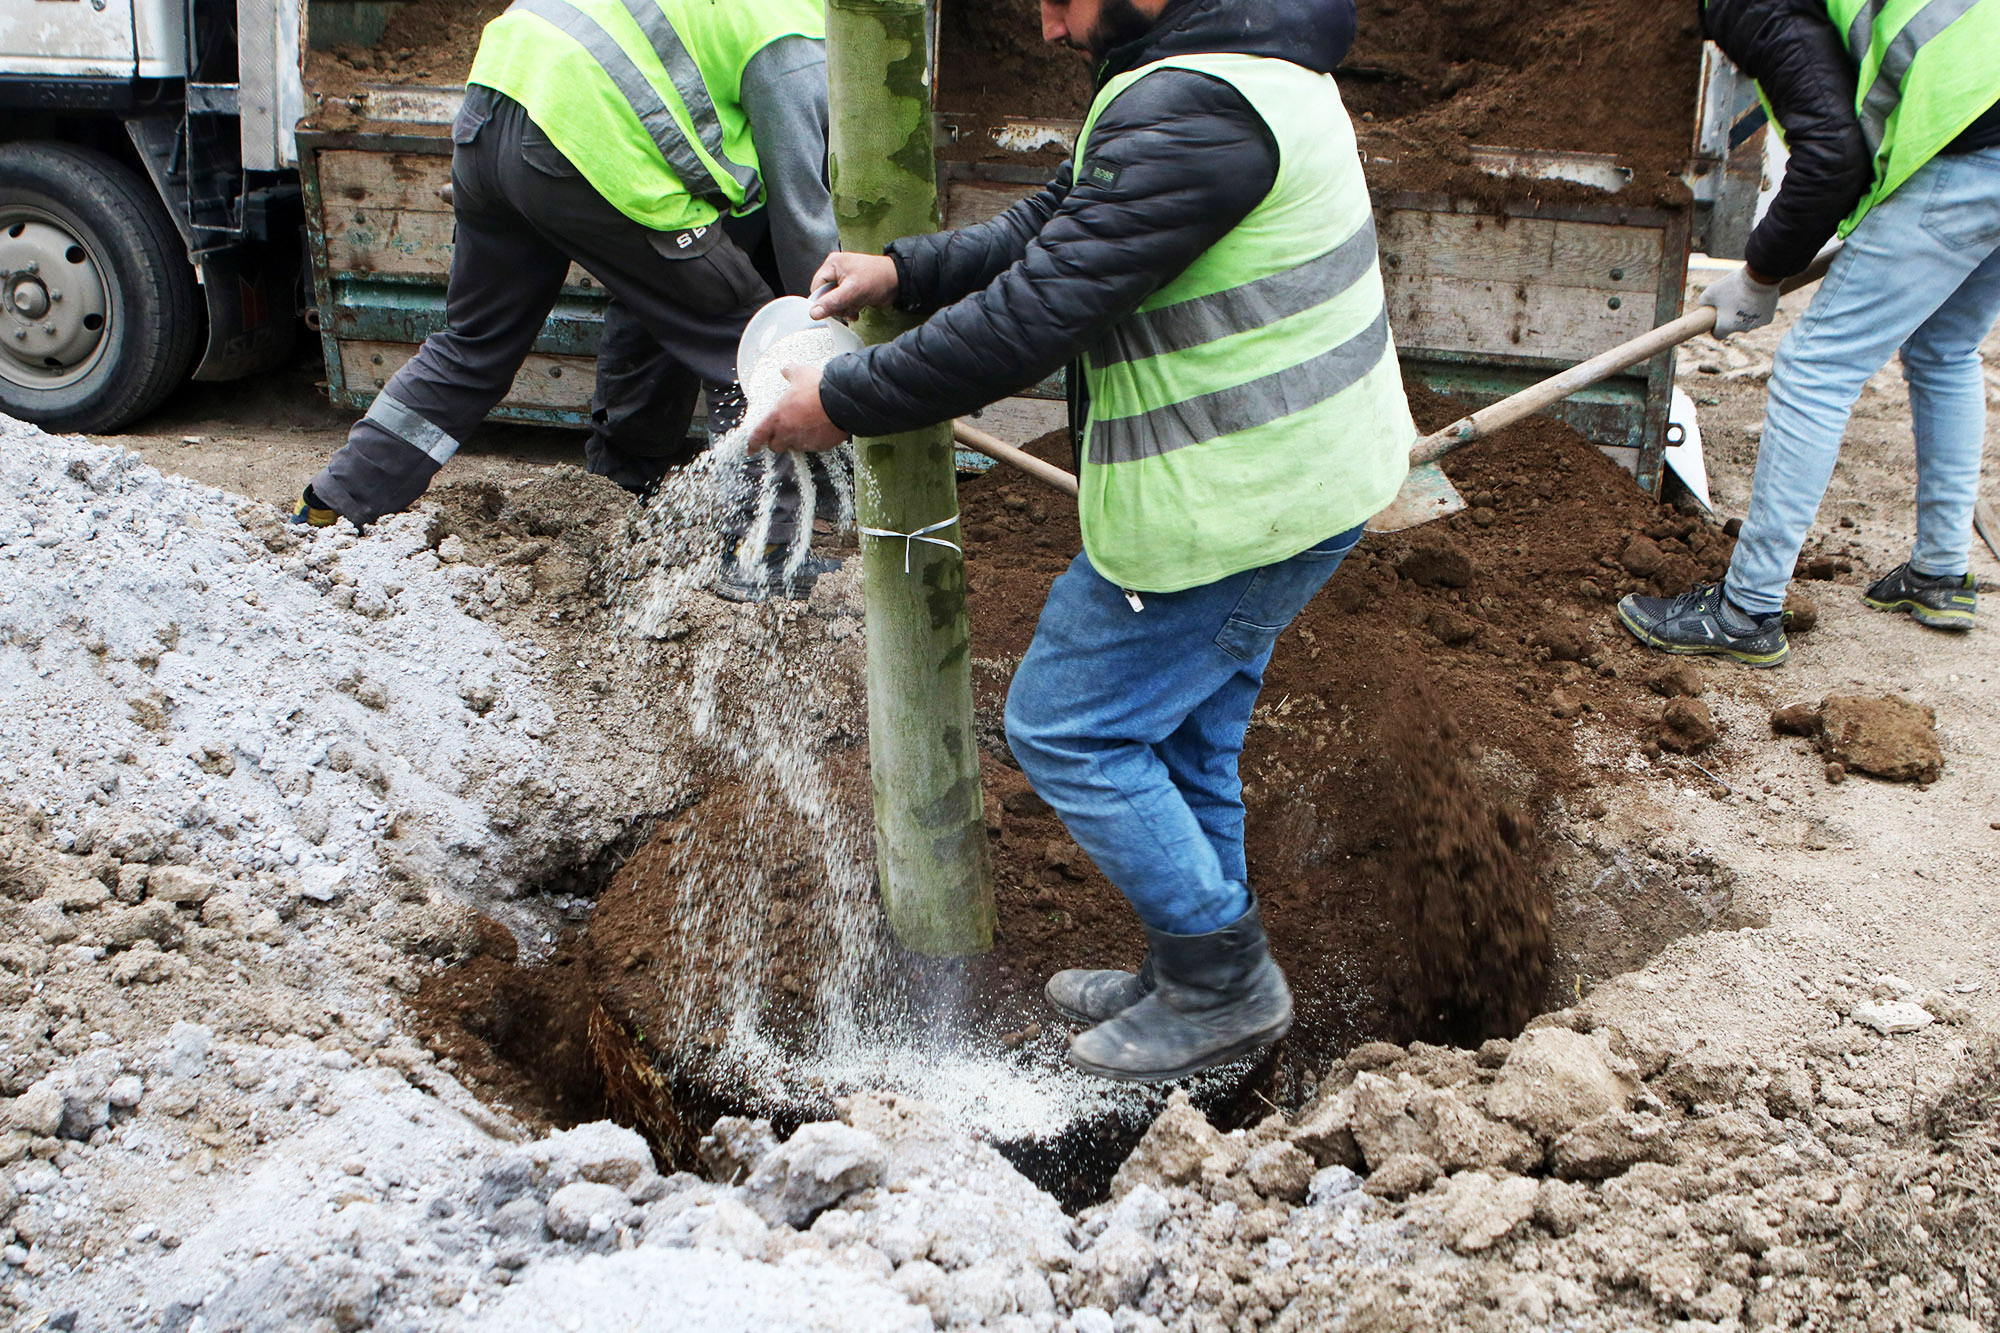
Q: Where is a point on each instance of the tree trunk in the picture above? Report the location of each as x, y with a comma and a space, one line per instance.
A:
930, 826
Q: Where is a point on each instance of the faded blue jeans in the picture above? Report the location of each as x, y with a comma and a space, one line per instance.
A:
1130, 724
1921, 273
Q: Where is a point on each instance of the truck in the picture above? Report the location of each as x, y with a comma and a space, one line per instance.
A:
183, 189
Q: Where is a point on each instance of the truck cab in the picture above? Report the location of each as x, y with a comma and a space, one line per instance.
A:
150, 219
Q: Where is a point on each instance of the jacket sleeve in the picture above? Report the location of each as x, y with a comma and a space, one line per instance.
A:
784, 95
1176, 162
934, 271
1800, 60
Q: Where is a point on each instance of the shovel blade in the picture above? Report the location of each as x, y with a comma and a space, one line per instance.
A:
1427, 494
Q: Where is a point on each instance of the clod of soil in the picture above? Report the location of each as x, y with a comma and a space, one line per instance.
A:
1882, 735
1890, 738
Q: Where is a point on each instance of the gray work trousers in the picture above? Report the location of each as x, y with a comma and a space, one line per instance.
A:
521, 214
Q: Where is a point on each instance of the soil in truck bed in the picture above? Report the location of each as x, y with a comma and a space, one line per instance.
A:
1424, 82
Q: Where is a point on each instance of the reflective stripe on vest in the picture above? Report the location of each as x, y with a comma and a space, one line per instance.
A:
1252, 406
1175, 328
1242, 406
1924, 70
645, 101
1885, 89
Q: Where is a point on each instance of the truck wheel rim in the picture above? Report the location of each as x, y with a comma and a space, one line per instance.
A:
55, 306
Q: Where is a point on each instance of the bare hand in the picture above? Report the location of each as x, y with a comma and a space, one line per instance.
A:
797, 422
860, 282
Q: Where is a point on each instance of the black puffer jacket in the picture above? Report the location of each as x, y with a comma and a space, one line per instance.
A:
1799, 59
1175, 163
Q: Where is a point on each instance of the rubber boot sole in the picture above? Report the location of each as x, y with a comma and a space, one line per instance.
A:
1235, 1051
1759, 660
1955, 622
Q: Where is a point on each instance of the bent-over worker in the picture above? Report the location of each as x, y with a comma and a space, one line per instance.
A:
661, 145
1209, 258
1891, 110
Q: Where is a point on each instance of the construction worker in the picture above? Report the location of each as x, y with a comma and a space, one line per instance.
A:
1891, 110
1244, 416
661, 145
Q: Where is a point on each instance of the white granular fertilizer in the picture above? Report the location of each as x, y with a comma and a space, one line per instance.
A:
766, 382
263, 699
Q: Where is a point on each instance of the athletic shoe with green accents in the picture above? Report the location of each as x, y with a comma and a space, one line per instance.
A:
1942, 601
1703, 622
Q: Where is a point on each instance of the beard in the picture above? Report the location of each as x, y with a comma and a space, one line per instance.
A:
1118, 21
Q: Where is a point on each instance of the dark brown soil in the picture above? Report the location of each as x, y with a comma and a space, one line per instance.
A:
993, 62
1415, 719
1424, 81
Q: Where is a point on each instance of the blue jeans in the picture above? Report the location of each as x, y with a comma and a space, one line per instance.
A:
1921, 273
1130, 724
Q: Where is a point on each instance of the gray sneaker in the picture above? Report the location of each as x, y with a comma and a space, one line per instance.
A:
1942, 601
1703, 622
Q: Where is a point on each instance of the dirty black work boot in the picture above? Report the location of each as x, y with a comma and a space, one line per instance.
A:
1215, 997
1702, 622
1087, 995
311, 511
1942, 601
759, 581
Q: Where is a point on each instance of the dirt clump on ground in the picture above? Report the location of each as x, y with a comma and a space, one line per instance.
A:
1878, 734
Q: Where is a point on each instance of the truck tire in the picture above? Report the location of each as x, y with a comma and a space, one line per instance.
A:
99, 316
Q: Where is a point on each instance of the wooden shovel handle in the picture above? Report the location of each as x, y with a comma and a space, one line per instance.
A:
974, 438
1586, 373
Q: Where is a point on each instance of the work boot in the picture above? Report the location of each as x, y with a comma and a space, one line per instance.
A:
1215, 997
311, 511
1704, 622
1942, 601
744, 581
1091, 995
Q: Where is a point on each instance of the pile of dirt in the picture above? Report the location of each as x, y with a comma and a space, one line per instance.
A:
1596, 76
424, 42
1414, 744
992, 62
1424, 82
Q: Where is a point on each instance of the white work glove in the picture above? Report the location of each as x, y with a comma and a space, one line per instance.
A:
1741, 303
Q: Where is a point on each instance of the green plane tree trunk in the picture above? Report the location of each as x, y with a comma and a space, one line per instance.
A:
930, 827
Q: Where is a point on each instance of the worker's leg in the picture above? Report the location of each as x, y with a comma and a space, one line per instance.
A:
1947, 382
694, 298
1096, 718
1201, 757
642, 406
504, 280
1893, 275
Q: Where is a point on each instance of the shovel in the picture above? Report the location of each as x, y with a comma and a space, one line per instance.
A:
1428, 494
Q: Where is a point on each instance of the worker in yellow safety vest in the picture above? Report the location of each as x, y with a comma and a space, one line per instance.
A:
1209, 257
1891, 112
676, 151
